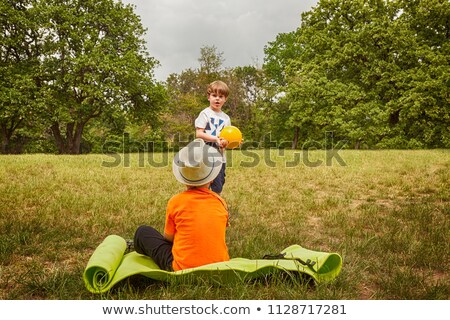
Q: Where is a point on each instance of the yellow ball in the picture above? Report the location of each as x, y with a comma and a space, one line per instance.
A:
233, 135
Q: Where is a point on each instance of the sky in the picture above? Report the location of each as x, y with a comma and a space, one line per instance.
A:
177, 29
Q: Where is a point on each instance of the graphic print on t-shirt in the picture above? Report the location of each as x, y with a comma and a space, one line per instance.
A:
214, 126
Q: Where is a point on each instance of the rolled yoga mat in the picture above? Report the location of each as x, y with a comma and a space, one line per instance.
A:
109, 264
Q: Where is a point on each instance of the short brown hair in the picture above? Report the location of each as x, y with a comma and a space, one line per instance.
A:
219, 87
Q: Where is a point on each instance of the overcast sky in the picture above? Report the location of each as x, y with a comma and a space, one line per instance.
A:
177, 29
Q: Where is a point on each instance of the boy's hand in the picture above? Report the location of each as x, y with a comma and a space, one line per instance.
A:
223, 143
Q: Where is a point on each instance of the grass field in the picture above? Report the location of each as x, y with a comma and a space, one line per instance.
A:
385, 212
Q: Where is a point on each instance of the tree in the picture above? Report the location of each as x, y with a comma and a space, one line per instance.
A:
211, 62
245, 103
95, 62
422, 114
279, 55
20, 51
373, 72
335, 82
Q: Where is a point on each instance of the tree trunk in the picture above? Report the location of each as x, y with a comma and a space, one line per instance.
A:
59, 141
69, 137
72, 141
5, 139
76, 139
6, 134
296, 136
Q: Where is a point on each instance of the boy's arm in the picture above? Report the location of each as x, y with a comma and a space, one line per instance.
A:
200, 133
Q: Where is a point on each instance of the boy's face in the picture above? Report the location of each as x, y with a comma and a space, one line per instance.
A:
216, 101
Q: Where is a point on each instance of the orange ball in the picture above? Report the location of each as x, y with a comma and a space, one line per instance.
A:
233, 135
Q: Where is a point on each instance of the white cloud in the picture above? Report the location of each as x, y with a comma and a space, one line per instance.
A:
177, 29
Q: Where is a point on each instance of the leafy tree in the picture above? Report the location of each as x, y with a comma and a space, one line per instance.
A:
66, 62
20, 51
211, 62
95, 63
187, 97
341, 41
374, 72
279, 55
245, 103
422, 113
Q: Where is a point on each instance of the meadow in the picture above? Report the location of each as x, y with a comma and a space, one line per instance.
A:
386, 212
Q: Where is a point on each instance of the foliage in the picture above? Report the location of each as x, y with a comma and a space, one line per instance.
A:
279, 54
82, 59
96, 64
20, 104
374, 73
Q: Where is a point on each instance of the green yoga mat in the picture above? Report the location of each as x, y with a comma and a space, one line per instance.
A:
109, 264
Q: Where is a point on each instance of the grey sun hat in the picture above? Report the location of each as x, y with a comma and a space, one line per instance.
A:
197, 163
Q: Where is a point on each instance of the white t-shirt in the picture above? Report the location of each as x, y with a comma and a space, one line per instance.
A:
213, 122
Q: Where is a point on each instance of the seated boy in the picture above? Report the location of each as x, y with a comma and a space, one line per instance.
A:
196, 219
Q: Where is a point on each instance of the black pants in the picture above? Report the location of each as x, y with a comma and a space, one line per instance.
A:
150, 242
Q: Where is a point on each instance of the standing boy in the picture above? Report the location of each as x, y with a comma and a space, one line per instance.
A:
196, 219
210, 123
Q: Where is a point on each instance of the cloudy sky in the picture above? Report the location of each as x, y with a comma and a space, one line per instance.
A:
177, 29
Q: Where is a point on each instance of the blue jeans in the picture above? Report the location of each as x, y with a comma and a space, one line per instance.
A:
219, 181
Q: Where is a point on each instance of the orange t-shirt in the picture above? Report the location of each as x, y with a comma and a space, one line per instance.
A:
197, 218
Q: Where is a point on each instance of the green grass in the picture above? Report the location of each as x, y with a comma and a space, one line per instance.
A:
385, 212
